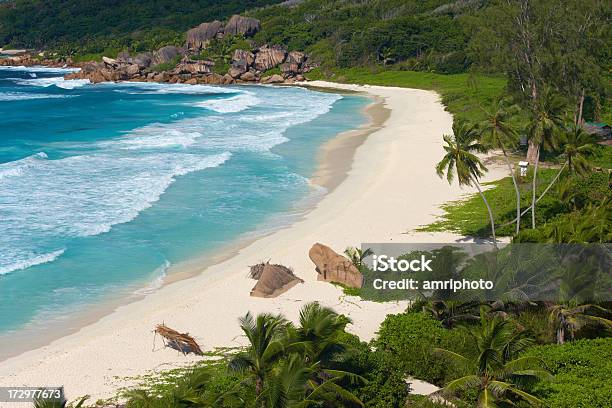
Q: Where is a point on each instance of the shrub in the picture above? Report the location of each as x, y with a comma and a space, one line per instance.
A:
166, 66
410, 337
581, 374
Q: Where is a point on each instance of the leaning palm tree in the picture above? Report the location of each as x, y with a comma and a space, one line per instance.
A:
266, 346
566, 320
460, 159
542, 130
497, 132
357, 255
495, 371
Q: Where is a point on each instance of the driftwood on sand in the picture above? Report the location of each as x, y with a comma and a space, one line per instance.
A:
182, 342
272, 279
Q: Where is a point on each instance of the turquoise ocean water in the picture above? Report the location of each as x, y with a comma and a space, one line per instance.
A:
103, 187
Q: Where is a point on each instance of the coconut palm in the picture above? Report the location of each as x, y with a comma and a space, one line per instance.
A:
542, 130
579, 146
451, 312
497, 132
296, 384
266, 346
566, 320
460, 160
357, 255
320, 331
495, 371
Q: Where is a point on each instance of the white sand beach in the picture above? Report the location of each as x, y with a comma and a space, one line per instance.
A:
390, 189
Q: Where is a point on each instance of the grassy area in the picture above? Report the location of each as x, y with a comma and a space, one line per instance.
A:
580, 373
469, 216
464, 95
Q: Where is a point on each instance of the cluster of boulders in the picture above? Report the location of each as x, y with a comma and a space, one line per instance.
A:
246, 65
27, 60
142, 68
251, 65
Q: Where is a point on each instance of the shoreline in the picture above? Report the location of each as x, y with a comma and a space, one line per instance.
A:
340, 148
390, 188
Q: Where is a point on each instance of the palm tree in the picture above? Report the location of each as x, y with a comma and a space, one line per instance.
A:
296, 384
320, 331
496, 373
357, 255
542, 130
498, 132
578, 147
566, 320
266, 346
190, 391
460, 159
451, 312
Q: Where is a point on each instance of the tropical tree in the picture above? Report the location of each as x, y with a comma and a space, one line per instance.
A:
566, 319
266, 346
190, 391
357, 255
542, 131
320, 331
451, 312
296, 384
496, 372
579, 146
460, 160
498, 133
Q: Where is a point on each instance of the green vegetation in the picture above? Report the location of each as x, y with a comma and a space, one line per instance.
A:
580, 373
93, 26
344, 34
166, 66
494, 371
464, 95
220, 52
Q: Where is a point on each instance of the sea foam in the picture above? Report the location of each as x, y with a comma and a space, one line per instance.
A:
32, 260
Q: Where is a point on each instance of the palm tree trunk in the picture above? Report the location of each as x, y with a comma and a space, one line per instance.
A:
533, 192
540, 196
560, 336
516, 189
488, 209
579, 122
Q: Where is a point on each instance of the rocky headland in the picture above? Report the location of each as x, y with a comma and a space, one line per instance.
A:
258, 63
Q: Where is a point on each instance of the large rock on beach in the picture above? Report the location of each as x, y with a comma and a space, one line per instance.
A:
166, 54
247, 57
200, 36
269, 57
238, 25
333, 267
143, 60
273, 280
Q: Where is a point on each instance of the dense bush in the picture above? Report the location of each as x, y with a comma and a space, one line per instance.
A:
133, 23
581, 373
410, 338
369, 33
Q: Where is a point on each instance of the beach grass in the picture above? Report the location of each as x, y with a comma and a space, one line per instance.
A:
469, 216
